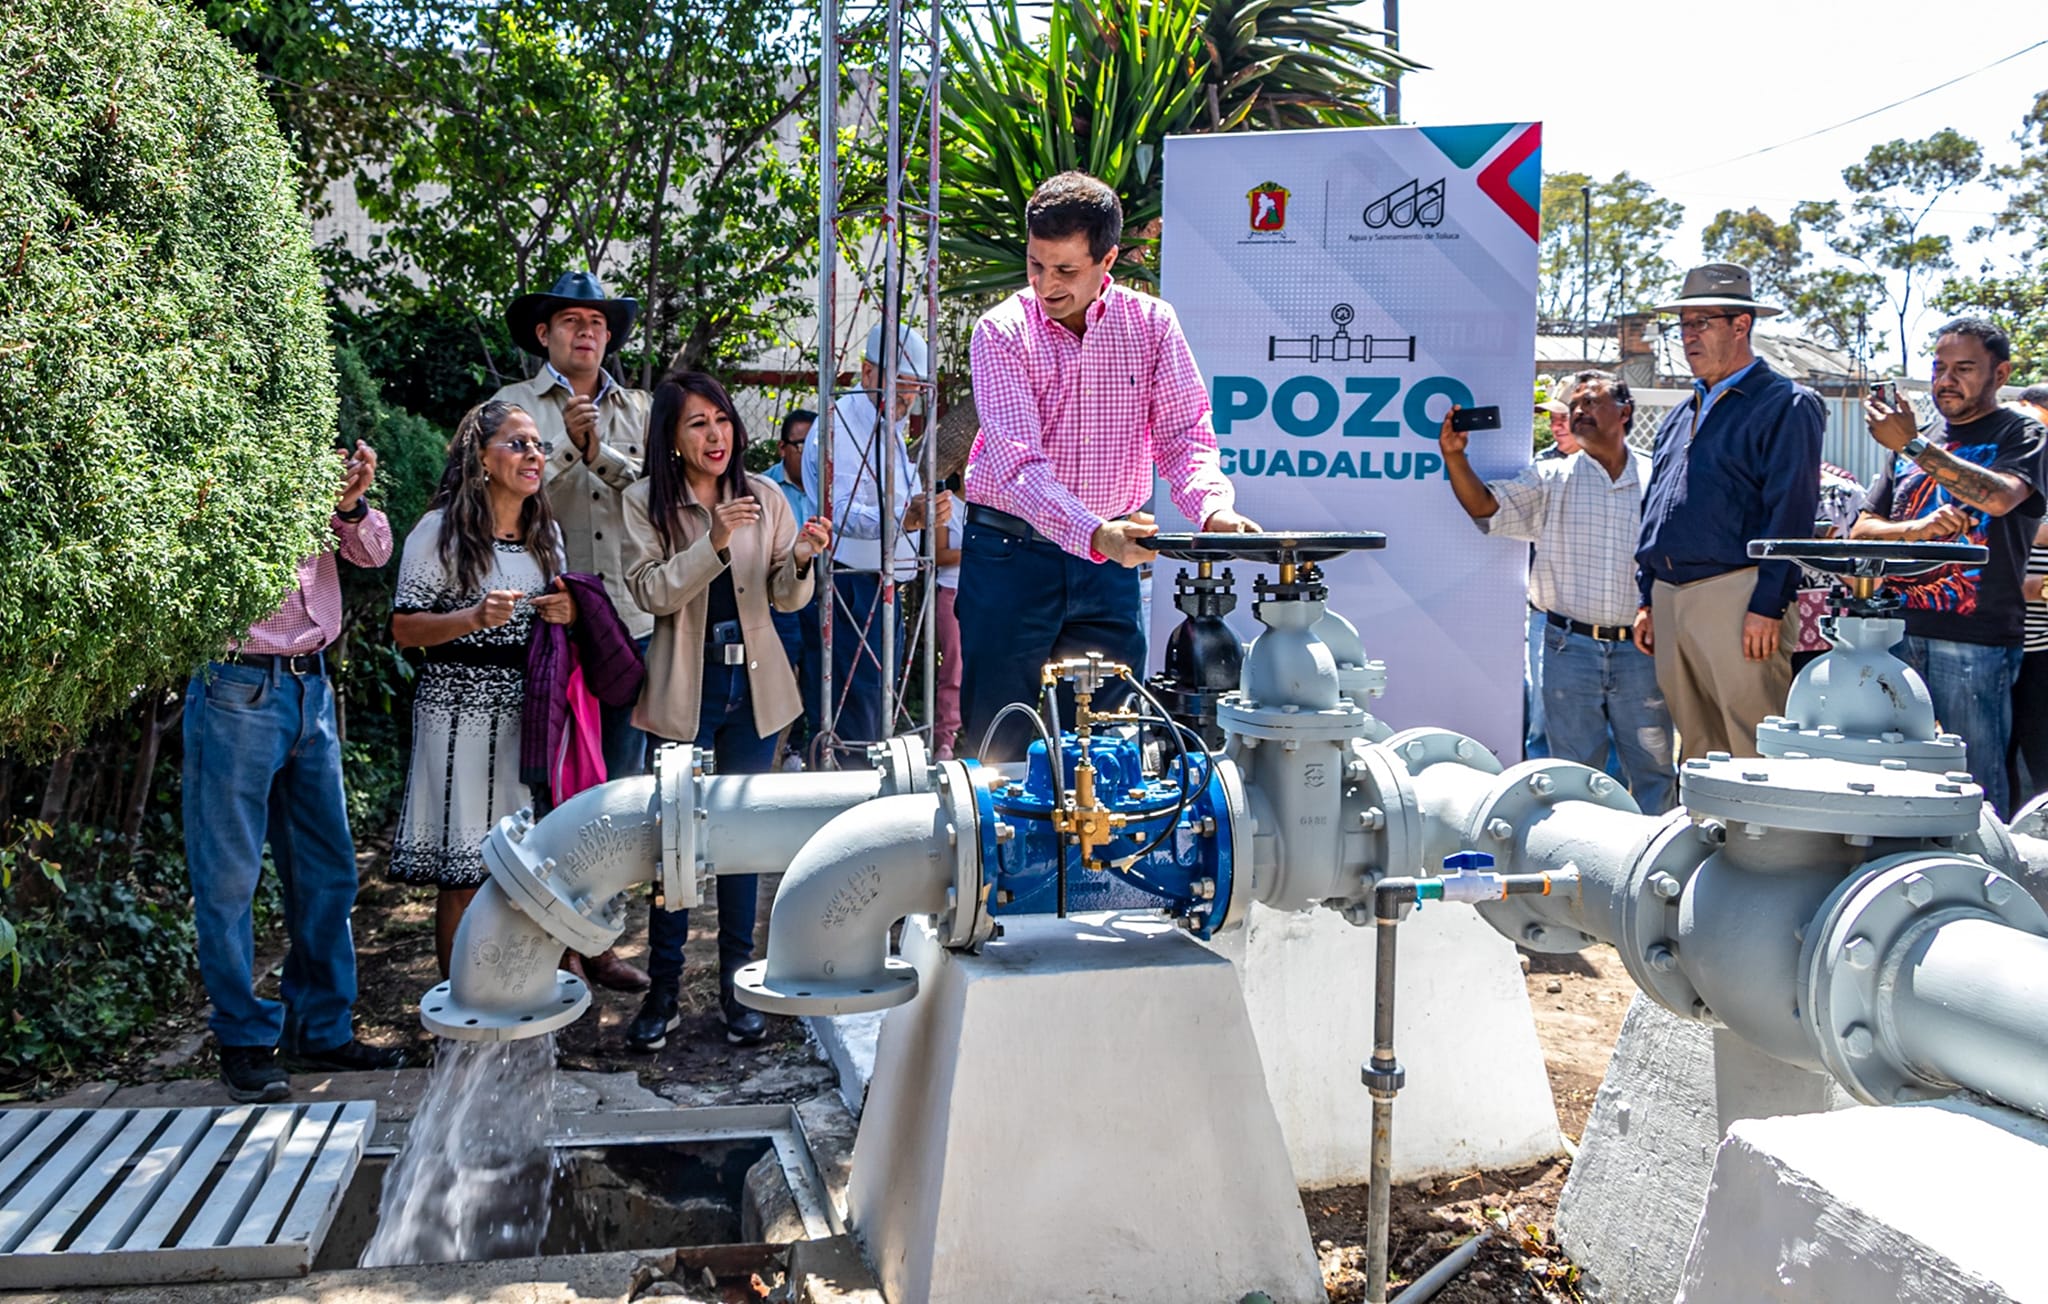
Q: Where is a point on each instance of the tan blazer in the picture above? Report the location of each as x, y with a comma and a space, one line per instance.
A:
585, 495
676, 588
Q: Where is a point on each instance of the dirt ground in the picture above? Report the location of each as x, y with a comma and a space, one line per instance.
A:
1578, 1003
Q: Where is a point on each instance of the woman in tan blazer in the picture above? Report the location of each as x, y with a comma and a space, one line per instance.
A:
709, 550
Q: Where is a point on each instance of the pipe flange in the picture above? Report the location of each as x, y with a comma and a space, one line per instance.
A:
530, 887
1850, 943
970, 813
894, 986
1780, 738
1418, 749
1649, 907
1385, 811
1238, 807
905, 765
442, 1015
1816, 795
1289, 723
1522, 794
679, 779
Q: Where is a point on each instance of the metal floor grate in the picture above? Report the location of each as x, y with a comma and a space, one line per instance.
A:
119, 1196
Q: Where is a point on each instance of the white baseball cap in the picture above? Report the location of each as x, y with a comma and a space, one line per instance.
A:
912, 357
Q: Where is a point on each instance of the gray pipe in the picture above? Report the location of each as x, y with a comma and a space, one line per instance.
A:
1970, 1006
757, 823
828, 931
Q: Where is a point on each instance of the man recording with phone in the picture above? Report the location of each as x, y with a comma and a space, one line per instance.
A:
1976, 481
1581, 512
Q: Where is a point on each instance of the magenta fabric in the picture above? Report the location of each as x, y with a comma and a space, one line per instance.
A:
612, 668
580, 762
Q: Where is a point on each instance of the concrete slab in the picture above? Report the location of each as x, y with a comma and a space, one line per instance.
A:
1077, 1113
847, 1041
1820, 1209
1463, 1017
1629, 1209
563, 1279
832, 1272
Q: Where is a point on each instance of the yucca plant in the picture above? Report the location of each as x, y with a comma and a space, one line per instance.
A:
1104, 85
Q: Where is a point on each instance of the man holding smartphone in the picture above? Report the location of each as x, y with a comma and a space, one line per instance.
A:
1581, 512
1977, 481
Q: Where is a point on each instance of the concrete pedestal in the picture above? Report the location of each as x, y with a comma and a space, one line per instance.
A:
1908, 1202
1628, 1213
1078, 1113
1477, 1095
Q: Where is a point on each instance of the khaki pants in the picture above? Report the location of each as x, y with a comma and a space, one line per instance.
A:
1716, 695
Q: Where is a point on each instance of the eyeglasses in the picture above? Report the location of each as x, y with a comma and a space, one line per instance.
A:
1694, 325
521, 447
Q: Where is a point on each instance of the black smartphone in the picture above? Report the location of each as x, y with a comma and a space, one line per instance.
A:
1885, 392
1478, 418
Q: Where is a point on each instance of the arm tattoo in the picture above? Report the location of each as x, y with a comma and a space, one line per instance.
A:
1973, 484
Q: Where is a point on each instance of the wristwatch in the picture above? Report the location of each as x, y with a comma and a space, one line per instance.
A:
1915, 446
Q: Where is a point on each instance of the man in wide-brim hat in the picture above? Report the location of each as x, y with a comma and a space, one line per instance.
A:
1740, 461
597, 429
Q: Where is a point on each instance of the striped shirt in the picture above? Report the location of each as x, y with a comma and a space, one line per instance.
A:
310, 617
2037, 610
1584, 527
1073, 426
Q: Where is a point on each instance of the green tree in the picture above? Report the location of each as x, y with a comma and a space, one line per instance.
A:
1623, 262
2018, 302
1897, 187
167, 391
2026, 182
1104, 85
1831, 302
511, 143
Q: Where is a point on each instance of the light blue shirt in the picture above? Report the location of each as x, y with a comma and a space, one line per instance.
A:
1706, 396
799, 502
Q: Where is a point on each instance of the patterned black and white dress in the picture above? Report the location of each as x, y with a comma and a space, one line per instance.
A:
465, 716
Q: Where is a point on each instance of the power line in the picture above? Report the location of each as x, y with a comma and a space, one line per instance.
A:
1708, 167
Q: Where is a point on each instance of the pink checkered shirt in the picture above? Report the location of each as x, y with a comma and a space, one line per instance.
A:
311, 615
1071, 428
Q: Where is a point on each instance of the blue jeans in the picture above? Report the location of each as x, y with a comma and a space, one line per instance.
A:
1593, 688
798, 631
857, 659
1971, 684
1022, 603
262, 760
1534, 741
725, 728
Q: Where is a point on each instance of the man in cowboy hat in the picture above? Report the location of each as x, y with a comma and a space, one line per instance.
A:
1740, 461
597, 428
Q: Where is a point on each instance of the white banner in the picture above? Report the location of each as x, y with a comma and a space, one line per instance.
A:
1340, 290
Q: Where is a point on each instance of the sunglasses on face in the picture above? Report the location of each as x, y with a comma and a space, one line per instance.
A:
521, 447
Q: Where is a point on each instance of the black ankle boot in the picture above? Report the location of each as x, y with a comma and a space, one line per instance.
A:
744, 1025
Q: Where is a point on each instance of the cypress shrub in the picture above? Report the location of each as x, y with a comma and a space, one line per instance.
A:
167, 394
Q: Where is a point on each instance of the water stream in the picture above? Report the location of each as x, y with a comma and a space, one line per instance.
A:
474, 1177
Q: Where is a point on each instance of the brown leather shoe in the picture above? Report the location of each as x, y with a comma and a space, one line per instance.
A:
609, 971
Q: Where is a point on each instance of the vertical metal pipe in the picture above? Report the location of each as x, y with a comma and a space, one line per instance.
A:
1383, 1077
934, 94
828, 358
1586, 277
891, 361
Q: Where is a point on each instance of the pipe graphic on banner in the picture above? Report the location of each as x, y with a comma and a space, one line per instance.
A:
1340, 290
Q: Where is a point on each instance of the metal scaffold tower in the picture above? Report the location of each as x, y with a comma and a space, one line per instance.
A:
904, 223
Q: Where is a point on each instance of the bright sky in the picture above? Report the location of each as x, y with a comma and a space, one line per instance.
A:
1671, 93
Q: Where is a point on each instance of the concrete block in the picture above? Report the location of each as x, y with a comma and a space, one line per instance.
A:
1629, 1210
1076, 1114
848, 1043
1463, 1018
1906, 1202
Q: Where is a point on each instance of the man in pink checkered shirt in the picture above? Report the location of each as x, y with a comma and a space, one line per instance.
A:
263, 764
1083, 388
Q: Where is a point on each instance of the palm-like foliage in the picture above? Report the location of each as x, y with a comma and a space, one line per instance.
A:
1105, 84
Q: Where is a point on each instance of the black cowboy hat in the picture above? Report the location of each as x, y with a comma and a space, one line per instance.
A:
573, 290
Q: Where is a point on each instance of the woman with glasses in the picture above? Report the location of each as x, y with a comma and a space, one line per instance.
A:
712, 552
475, 574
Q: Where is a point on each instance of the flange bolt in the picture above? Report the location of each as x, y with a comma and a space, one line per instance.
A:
1858, 1042
1918, 890
1665, 886
1662, 958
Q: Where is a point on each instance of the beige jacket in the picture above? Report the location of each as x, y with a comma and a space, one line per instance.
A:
676, 588
585, 495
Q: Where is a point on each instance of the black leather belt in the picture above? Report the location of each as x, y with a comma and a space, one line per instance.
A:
1605, 633
1002, 522
305, 663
